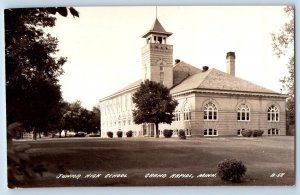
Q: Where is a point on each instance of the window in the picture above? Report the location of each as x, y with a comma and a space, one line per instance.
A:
175, 132
161, 74
188, 132
273, 131
187, 115
164, 40
129, 119
273, 114
177, 115
210, 132
119, 121
239, 132
210, 112
243, 113
159, 39
161, 77
124, 120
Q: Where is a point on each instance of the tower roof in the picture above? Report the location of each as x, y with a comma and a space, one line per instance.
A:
156, 28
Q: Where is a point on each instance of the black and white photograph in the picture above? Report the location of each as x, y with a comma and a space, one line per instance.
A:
150, 96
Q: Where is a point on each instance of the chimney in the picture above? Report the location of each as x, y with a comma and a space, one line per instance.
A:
230, 61
177, 61
205, 68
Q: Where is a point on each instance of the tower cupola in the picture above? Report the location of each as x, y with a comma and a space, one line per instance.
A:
157, 34
157, 55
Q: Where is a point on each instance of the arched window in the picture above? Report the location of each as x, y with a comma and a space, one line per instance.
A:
273, 131
210, 112
210, 132
187, 115
273, 114
243, 113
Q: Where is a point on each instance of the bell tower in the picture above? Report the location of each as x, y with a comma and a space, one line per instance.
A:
157, 56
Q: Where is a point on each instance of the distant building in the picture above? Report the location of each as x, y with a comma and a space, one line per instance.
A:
211, 102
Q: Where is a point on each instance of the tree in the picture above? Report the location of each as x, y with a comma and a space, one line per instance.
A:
283, 45
72, 115
96, 120
76, 118
154, 104
32, 71
56, 120
32, 91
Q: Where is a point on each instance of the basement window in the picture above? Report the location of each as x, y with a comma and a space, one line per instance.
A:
273, 131
210, 132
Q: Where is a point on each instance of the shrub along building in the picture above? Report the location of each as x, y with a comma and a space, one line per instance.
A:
211, 102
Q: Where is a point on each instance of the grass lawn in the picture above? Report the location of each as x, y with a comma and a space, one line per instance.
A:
136, 157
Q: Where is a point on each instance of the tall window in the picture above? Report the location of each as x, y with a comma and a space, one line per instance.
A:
243, 113
124, 120
273, 114
129, 119
210, 132
161, 74
273, 131
145, 71
187, 115
177, 115
119, 121
210, 112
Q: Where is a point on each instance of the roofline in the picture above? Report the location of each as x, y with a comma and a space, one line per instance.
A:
156, 32
119, 93
235, 92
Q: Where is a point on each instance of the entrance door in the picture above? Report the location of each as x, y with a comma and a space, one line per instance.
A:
151, 126
145, 129
148, 130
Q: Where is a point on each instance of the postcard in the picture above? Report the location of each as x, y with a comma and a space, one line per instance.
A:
150, 96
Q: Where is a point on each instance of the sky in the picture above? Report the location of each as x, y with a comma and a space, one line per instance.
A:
103, 46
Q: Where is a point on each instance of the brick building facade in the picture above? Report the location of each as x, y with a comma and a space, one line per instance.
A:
211, 102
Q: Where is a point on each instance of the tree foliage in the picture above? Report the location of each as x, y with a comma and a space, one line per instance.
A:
32, 71
154, 104
283, 45
76, 118
32, 91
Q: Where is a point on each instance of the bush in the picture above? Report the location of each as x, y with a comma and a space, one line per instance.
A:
231, 170
120, 134
110, 134
246, 133
79, 134
168, 133
94, 135
129, 133
258, 133
181, 134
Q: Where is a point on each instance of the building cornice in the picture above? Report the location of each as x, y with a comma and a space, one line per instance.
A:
223, 92
207, 91
119, 93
